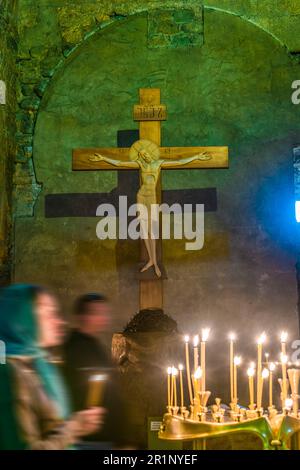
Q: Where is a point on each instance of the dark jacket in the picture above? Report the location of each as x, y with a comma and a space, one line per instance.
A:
84, 356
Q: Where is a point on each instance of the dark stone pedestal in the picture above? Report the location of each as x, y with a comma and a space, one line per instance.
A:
143, 359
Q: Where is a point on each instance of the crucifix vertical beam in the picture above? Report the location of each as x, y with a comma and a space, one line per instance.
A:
149, 114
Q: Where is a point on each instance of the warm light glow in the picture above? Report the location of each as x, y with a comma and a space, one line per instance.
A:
252, 365
174, 371
283, 358
198, 373
232, 336
97, 378
272, 366
262, 338
169, 370
186, 338
205, 334
267, 355
265, 373
250, 372
283, 336
288, 403
237, 360
196, 341
180, 367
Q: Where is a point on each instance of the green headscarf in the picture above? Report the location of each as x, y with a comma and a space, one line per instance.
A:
19, 331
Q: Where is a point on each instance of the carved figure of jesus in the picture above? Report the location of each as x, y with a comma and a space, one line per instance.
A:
145, 156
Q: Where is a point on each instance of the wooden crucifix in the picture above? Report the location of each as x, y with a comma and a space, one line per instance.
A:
147, 155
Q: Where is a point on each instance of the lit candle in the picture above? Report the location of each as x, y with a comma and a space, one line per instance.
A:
204, 338
264, 375
95, 390
197, 381
236, 362
260, 342
251, 373
232, 338
180, 367
284, 360
174, 375
271, 370
196, 354
283, 339
267, 358
169, 372
188, 372
172, 387
288, 404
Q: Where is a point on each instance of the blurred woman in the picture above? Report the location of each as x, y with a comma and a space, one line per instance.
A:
34, 409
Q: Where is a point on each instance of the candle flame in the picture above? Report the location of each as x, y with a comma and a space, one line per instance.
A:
265, 373
174, 371
205, 334
98, 377
288, 403
232, 336
169, 370
186, 338
252, 365
262, 338
196, 341
198, 373
284, 358
250, 372
180, 367
272, 366
237, 360
283, 336
267, 355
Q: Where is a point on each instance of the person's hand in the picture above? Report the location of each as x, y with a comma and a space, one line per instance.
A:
203, 156
96, 158
90, 420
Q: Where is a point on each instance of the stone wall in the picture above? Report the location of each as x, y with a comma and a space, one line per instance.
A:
231, 84
8, 48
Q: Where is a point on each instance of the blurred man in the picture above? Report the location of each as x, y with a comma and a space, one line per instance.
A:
85, 357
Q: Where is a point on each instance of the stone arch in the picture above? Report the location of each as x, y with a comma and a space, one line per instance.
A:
31, 105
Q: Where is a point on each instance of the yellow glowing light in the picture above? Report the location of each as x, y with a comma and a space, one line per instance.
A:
180, 367
272, 366
186, 338
237, 360
169, 370
288, 403
232, 336
250, 372
265, 373
284, 359
262, 338
198, 373
196, 341
205, 334
283, 336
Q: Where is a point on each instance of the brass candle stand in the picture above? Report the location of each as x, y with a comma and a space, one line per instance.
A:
275, 430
